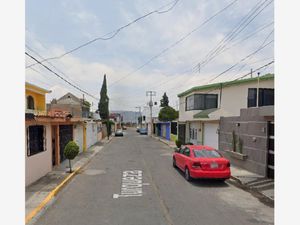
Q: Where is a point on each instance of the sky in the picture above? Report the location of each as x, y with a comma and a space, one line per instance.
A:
159, 52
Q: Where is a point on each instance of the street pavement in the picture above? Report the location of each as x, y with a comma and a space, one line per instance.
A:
132, 182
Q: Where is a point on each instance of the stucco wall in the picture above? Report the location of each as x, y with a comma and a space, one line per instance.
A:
39, 100
78, 136
188, 115
91, 134
39, 164
233, 99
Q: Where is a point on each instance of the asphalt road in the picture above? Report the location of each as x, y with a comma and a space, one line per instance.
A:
132, 182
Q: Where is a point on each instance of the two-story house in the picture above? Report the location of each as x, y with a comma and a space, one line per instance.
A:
38, 149
47, 133
201, 107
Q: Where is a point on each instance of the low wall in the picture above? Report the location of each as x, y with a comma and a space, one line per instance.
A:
251, 128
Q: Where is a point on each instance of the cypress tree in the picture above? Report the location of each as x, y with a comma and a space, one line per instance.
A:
164, 102
103, 105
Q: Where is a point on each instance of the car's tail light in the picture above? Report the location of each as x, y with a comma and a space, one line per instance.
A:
228, 164
196, 165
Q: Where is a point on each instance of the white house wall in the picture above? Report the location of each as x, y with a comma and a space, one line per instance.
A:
235, 98
189, 115
91, 134
78, 136
40, 164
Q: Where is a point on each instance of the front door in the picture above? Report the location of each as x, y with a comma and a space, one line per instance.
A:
65, 135
54, 130
181, 133
270, 167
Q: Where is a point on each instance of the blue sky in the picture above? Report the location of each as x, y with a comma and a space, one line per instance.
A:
53, 27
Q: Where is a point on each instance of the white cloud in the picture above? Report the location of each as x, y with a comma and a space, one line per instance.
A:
146, 38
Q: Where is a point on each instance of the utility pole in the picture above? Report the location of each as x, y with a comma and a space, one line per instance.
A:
251, 72
151, 93
140, 115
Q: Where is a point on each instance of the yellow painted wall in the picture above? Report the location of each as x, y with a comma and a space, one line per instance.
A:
173, 137
39, 100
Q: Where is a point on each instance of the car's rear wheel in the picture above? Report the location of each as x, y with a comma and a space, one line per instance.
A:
174, 163
187, 175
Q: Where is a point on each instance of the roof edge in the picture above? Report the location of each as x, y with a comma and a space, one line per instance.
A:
268, 76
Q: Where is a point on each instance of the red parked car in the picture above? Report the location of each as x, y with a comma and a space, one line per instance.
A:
199, 161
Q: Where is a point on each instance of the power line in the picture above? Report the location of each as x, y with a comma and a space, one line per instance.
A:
225, 49
253, 53
237, 30
190, 70
112, 33
231, 67
43, 58
174, 44
240, 77
46, 67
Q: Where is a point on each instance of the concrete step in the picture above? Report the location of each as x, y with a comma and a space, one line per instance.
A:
263, 187
260, 182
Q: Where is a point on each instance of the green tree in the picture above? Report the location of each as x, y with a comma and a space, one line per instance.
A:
167, 113
103, 106
164, 101
71, 150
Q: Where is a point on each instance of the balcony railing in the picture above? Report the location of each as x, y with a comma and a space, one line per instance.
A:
36, 112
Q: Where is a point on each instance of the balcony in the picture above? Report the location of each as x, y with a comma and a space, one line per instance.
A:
36, 112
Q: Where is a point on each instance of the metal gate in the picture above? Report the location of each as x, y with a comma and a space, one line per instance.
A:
270, 168
65, 135
181, 133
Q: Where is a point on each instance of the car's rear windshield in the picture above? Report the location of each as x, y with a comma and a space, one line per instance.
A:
206, 154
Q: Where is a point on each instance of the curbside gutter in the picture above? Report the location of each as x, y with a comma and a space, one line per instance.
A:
58, 188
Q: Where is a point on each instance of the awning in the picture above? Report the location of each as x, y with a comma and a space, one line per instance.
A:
211, 114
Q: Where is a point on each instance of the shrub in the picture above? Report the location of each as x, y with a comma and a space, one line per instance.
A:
71, 151
178, 143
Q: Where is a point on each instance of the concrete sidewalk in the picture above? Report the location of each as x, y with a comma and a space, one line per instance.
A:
165, 141
260, 186
254, 182
36, 193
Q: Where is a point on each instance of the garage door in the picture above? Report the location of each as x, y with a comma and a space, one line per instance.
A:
210, 135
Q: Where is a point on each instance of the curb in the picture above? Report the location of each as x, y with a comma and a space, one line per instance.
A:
57, 189
161, 140
249, 189
53, 193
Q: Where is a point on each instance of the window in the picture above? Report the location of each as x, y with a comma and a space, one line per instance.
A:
211, 101
206, 154
186, 152
189, 103
35, 140
252, 93
266, 97
181, 150
201, 101
30, 102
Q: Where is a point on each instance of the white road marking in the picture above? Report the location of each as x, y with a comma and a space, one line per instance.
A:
132, 184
